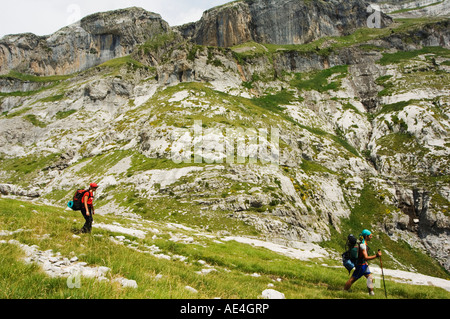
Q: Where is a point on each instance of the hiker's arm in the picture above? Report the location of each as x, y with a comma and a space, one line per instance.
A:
86, 197
93, 209
366, 257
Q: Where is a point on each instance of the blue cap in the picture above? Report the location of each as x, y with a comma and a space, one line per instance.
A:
365, 232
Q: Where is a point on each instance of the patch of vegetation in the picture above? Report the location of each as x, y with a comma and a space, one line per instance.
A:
401, 56
416, 8
97, 166
141, 163
388, 85
251, 49
54, 98
34, 78
337, 139
33, 119
168, 112
349, 106
325, 46
272, 102
25, 168
16, 113
400, 143
158, 41
319, 80
311, 166
31, 93
123, 61
63, 114
394, 107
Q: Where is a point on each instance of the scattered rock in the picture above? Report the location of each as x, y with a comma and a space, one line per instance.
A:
193, 290
206, 271
9, 189
272, 294
56, 265
126, 283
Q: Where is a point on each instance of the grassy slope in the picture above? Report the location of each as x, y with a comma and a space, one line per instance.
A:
233, 261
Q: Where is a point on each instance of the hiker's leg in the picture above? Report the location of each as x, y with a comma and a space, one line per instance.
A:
349, 283
89, 220
370, 283
86, 218
358, 273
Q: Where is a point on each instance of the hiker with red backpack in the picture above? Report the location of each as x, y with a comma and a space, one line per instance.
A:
87, 208
83, 200
362, 267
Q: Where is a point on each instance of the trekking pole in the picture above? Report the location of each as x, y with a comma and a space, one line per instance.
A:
382, 273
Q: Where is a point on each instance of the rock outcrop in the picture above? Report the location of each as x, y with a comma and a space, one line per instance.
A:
278, 21
104, 36
93, 40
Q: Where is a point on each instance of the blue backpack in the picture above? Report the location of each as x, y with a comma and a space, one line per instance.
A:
350, 256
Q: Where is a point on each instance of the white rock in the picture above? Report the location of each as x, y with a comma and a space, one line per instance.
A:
126, 283
272, 294
193, 290
53, 259
103, 270
205, 271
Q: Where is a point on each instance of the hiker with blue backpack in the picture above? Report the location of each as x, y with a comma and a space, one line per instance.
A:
357, 257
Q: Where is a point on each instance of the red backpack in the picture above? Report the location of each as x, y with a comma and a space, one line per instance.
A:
76, 203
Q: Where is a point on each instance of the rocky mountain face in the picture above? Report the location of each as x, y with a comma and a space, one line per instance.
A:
362, 117
278, 22
92, 41
416, 8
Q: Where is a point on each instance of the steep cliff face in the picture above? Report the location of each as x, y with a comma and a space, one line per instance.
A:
279, 21
224, 26
104, 36
95, 39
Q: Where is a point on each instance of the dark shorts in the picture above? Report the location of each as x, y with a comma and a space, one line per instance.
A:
361, 270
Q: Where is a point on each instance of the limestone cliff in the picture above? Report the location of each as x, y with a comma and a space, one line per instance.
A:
95, 39
278, 21
104, 36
